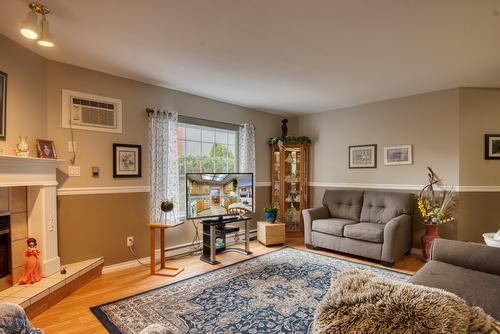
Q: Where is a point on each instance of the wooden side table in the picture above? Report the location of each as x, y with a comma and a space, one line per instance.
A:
163, 271
270, 233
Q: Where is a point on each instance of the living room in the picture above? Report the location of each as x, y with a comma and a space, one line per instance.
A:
373, 94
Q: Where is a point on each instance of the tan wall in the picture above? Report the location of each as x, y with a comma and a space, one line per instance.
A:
430, 122
98, 225
95, 148
479, 115
26, 107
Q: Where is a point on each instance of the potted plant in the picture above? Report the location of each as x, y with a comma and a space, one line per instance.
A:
436, 209
167, 205
270, 212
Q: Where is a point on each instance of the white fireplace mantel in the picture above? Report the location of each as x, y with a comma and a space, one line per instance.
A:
39, 176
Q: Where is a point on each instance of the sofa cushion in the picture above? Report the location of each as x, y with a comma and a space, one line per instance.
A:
344, 204
380, 206
334, 226
476, 287
365, 231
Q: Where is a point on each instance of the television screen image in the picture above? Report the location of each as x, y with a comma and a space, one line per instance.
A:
218, 194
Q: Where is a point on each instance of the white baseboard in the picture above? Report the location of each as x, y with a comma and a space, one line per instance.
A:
173, 251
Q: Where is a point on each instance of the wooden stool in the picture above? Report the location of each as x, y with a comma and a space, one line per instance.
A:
152, 235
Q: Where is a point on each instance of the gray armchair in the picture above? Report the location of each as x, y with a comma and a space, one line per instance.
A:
371, 224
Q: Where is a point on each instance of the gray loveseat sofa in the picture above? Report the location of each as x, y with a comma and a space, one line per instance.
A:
372, 224
471, 271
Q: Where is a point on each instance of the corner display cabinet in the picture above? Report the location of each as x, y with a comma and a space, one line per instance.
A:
289, 183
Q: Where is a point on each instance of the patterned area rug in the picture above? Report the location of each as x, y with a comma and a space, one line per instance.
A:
273, 293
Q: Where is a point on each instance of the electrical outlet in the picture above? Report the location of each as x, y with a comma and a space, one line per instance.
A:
130, 241
71, 146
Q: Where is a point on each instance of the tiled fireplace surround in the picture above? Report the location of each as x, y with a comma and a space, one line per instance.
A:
28, 192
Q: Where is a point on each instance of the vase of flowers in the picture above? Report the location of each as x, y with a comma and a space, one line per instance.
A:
270, 212
436, 207
167, 205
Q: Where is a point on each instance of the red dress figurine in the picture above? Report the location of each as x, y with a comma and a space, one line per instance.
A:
32, 270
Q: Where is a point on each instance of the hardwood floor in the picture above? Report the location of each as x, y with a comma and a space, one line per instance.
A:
72, 314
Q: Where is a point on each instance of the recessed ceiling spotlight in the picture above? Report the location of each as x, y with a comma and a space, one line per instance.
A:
30, 28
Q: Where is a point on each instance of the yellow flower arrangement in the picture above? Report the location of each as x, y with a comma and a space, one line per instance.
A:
436, 209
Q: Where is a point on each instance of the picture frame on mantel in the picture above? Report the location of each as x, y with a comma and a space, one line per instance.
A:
127, 160
492, 146
3, 104
363, 156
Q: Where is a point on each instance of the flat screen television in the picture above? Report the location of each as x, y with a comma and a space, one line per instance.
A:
218, 194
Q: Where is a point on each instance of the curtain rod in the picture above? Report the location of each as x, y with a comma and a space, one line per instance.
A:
151, 110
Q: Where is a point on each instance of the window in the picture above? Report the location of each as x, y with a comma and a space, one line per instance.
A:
205, 149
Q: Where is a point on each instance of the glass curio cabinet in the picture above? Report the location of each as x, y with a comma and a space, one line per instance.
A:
289, 183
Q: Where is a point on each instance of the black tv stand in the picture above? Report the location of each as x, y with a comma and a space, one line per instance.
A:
214, 229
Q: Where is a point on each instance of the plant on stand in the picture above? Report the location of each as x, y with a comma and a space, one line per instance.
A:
270, 212
167, 206
436, 207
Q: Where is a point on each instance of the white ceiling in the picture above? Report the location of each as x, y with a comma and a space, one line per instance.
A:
283, 56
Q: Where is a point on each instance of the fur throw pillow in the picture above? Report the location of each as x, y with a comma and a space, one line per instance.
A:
361, 302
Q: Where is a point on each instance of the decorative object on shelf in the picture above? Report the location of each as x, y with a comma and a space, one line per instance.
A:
167, 205
491, 146
288, 140
270, 212
289, 173
284, 128
3, 104
30, 28
126, 160
32, 270
435, 209
363, 156
22, 149
398, 155
46, 149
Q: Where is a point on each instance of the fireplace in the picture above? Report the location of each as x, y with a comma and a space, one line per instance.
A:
5, 266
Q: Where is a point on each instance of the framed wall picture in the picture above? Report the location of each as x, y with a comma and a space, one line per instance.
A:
363, 156
46, 149
3, 104
492, 146
398, 155
126, 160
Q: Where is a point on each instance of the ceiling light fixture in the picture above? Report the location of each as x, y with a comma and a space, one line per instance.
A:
45, 37
30, 28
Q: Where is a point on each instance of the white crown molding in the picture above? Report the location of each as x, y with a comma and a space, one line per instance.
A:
102, 190
367, 185
394, 186
478, 188
263, 183
118, 190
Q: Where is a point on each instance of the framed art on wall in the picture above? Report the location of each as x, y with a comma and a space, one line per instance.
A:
3, 104
46, 149
126, 160
363, 156
398, 155
492, 146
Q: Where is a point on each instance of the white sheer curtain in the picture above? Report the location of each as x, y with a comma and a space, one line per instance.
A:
164, 173
246, 149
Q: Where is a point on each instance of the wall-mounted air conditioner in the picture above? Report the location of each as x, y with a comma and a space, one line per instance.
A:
91, 112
